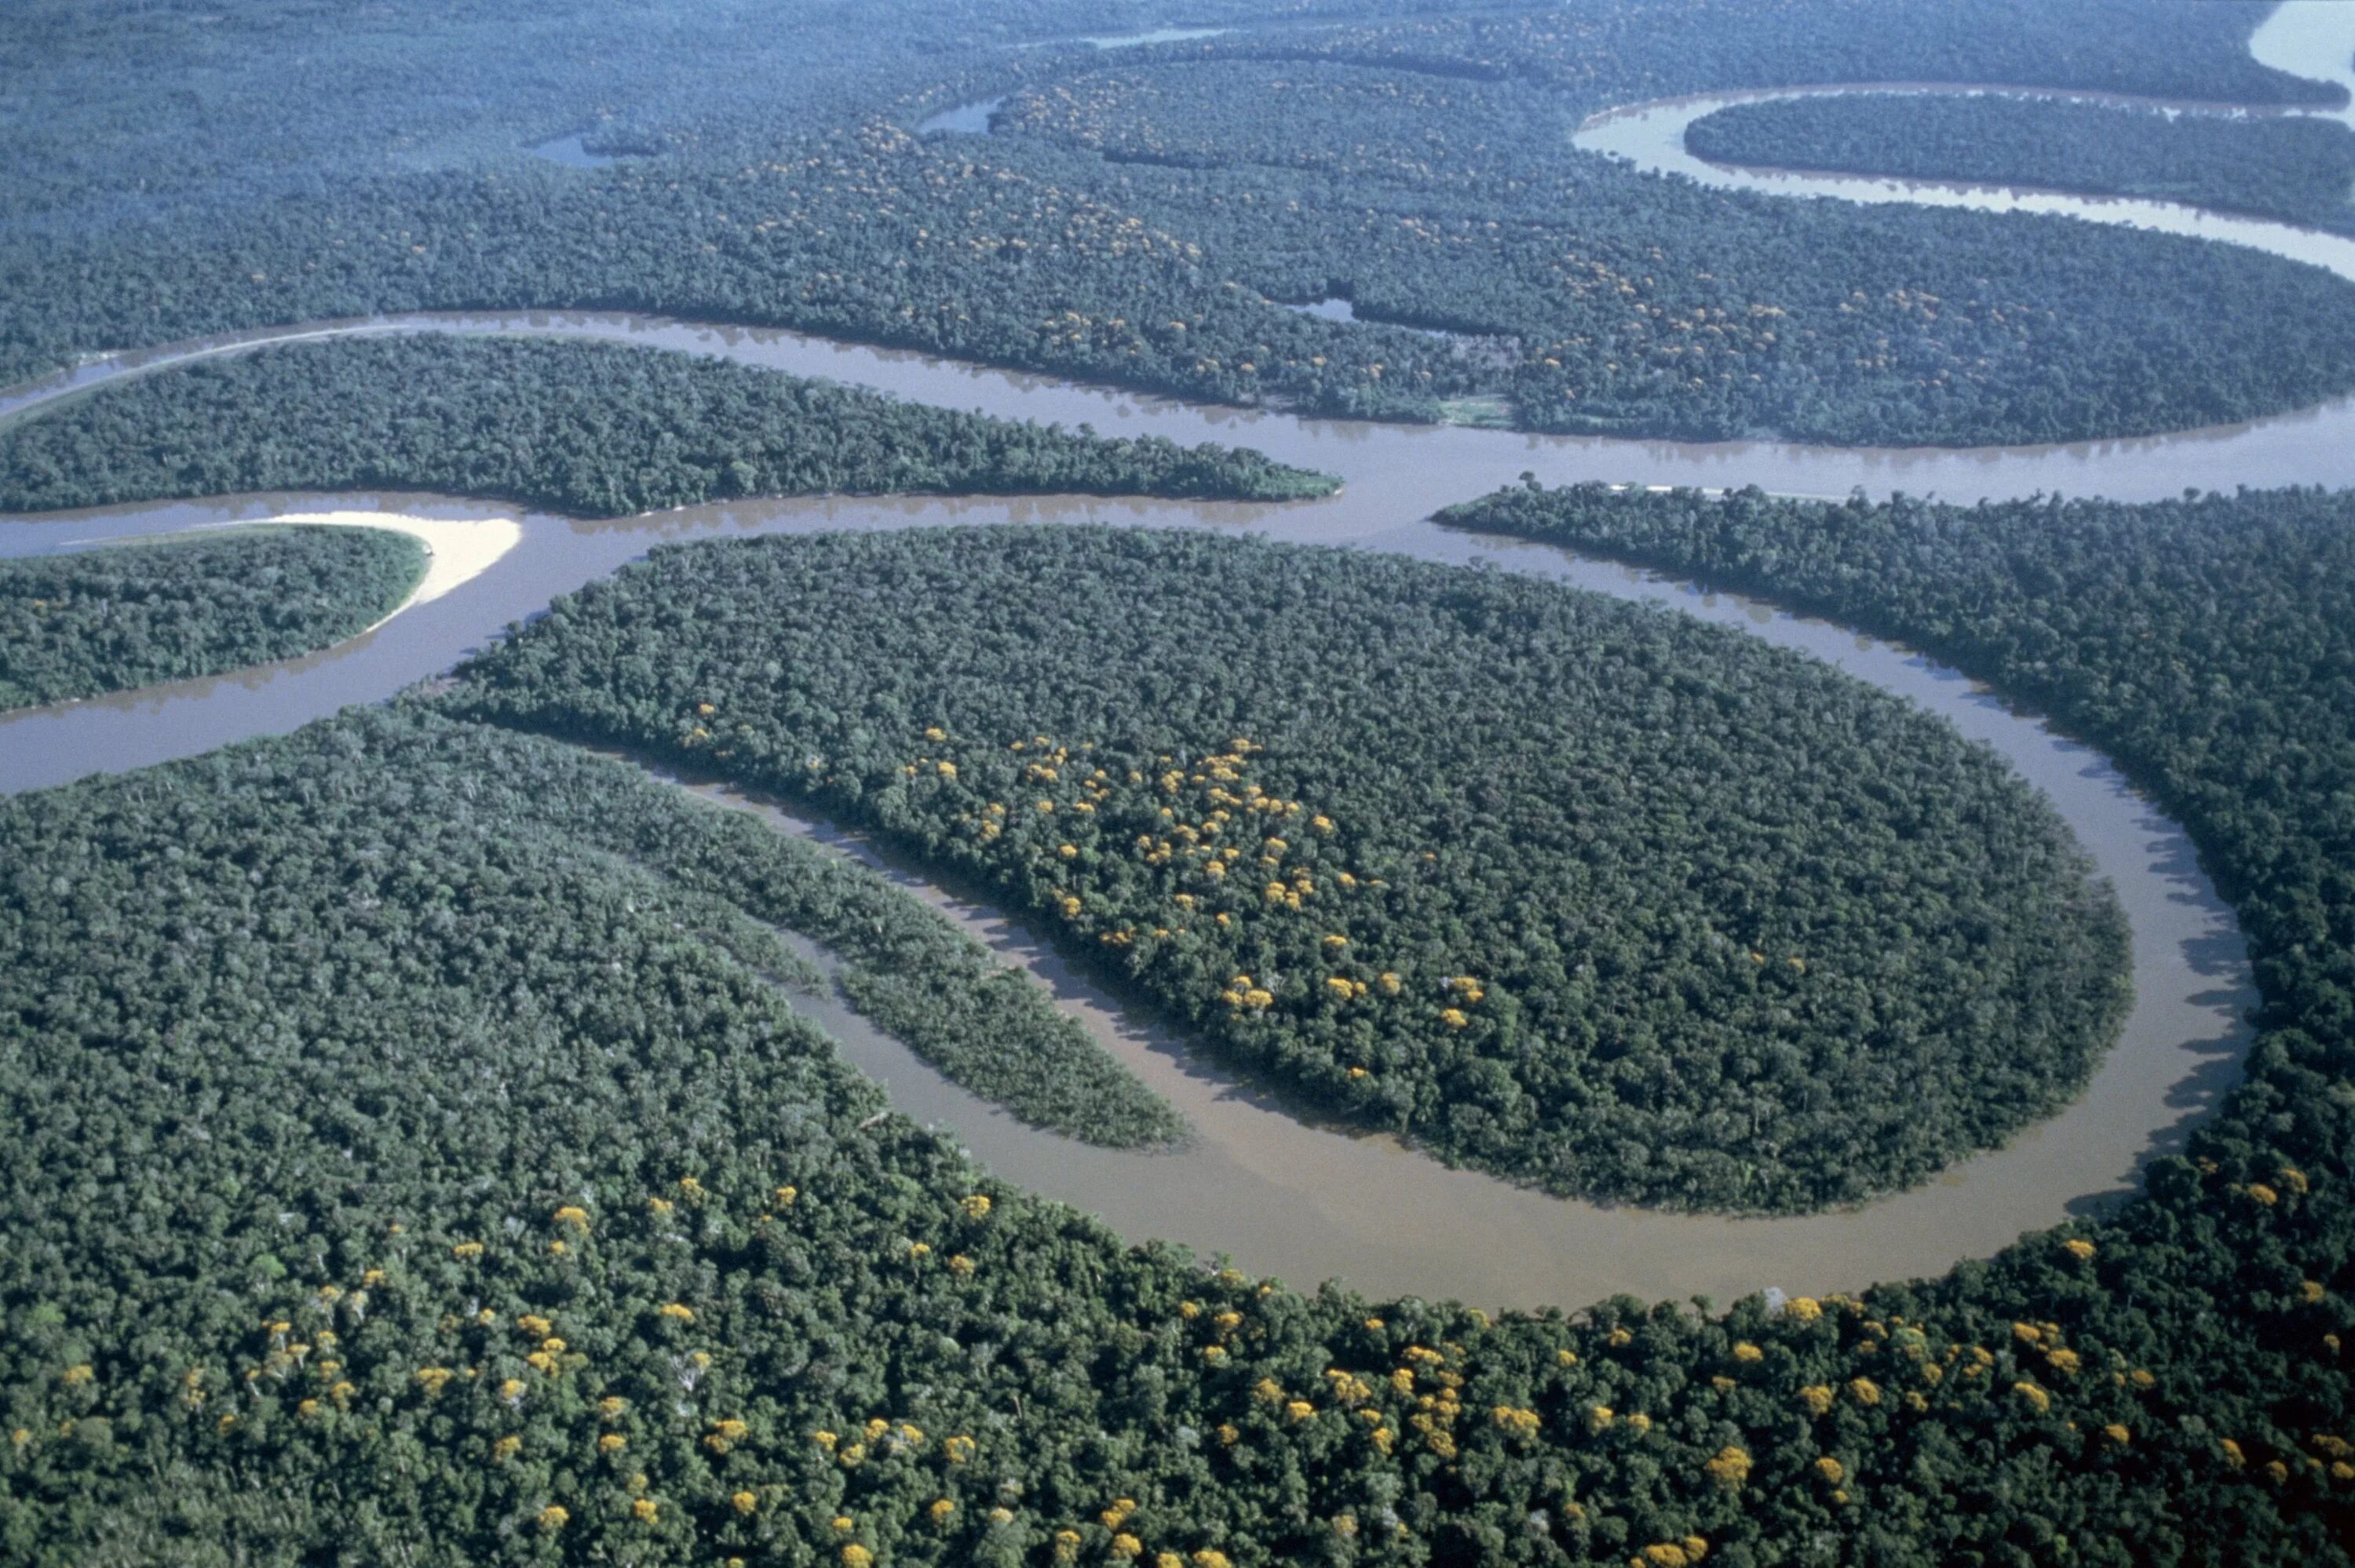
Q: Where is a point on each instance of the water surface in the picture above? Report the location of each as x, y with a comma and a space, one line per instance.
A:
965, 119
573, 152
1310, 1202
1282, 1197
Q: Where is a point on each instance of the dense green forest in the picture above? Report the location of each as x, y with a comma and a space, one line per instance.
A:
984, 1024
105, 620
363, 1022
1584, 895
1637, 303
2205, 644
409, 1151
763, 1333
2299, 170
590, 428
1645, 304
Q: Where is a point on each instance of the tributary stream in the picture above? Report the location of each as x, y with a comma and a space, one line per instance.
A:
1281, 1195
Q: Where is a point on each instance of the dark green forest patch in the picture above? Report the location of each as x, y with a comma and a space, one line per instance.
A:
2208, 645
343, 1030
2297, 170
1576, 891
592, 429
1631, 303
106, 621
1639, 305
348, 1035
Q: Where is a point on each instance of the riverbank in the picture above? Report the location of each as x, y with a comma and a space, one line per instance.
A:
456, 553
2182, 1045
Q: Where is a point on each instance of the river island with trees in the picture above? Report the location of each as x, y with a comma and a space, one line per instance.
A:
2296, 169
411, 1149
592, 429
104, 620
1590, 896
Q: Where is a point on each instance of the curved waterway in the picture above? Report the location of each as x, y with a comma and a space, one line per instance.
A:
1278, 1195
1652, 136
2312, 38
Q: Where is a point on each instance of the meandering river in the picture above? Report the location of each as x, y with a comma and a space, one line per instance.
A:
1280, 1196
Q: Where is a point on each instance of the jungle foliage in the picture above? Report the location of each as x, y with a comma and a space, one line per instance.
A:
985, 1025
132, 615
1645, 304
590, 428
2209, 645
2297, 170
407, 1154
1575, 892
250, 1160
393, 988
1637, 304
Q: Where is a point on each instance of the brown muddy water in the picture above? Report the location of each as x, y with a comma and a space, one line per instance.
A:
1280, 1195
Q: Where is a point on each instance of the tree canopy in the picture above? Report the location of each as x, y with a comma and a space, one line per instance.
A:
754, 1271
1585, 894
1420, 165
100, 620
593, 430
2299, 170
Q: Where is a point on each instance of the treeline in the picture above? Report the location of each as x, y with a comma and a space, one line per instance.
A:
2299, 170
1639, 305
1590, 897
593, 430
255, 1008
171, 609
1592, 49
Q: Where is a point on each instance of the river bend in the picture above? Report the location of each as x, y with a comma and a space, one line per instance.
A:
1278, 1195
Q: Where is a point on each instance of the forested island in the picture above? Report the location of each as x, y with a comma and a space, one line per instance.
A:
592, 429
686, 1296
80, 624
2296, 169
1594, 897
409, 1148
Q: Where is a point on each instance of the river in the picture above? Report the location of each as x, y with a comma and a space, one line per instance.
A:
2314, 33
1280, 1196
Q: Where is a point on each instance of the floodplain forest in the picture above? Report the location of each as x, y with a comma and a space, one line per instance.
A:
1143, 218
415, 1146
2299, 170
591, 429
1590, 897
80, 624
620, 1319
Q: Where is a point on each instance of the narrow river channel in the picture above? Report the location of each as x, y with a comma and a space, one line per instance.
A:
1282, 1197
